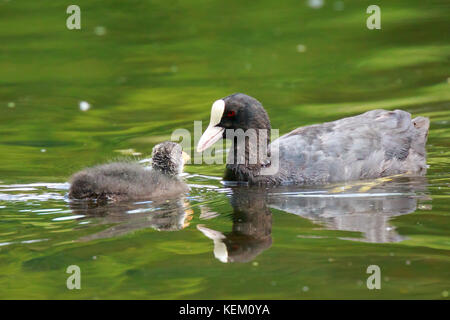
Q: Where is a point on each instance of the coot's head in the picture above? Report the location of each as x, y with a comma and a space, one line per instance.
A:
237, 111
169, 158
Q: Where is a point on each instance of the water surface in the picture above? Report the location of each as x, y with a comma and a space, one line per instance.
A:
149, 67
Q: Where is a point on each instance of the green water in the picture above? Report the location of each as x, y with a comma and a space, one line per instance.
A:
149, 67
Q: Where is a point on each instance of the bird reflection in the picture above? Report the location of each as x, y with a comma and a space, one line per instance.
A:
170, 215
251, 231
364, 207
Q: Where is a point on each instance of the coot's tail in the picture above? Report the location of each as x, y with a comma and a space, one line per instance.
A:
421, 126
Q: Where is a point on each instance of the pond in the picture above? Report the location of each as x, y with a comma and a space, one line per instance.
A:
137, 71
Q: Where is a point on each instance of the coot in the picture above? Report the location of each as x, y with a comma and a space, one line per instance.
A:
371, 145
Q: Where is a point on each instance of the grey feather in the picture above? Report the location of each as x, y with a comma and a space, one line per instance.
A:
371, 145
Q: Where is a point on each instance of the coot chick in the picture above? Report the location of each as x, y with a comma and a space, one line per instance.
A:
374, 144
130, 181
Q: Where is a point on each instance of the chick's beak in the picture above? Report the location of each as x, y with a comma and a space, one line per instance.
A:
185, 157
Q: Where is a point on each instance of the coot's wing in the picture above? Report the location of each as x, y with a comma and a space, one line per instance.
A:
369, 145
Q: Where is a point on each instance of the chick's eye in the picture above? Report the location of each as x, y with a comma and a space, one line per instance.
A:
231, 114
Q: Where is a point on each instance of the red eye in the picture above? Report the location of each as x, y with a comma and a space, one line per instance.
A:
231, 114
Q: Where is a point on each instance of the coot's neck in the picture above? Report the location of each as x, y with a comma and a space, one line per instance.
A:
246, 159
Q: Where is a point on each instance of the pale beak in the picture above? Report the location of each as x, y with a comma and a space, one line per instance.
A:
185, 157
211, 135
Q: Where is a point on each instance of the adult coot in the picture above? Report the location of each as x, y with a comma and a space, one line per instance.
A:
374, 144
128, 181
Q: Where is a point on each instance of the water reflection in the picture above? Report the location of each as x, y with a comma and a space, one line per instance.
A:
251, 230
367, 212
364, 207
171, 215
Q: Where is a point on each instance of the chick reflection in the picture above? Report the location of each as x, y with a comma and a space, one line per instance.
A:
251, 231
171, 215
